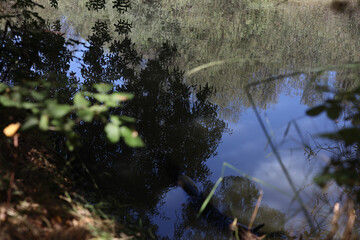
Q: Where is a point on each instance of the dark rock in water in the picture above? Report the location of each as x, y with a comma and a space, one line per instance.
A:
212, 215
339, 6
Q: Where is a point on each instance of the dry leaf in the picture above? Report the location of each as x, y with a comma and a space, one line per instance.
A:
11, 129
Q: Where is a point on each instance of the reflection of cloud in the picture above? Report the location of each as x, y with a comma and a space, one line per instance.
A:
302, 174
300, 171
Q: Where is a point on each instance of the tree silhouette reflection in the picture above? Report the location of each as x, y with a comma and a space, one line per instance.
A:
177, 123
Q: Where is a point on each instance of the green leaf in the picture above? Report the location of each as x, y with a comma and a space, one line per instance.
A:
103, 88
98, 109
112, 132
115, 119
58, 110
29, 123
16, 98
6, 101
68, 126
29, 105
13, 100
127, 119
122, 96
3, 87
80, 101
101, 97
86, 115
131, 137
70, 145
56, 122
316, 110
44, 122
87, 94
39, 96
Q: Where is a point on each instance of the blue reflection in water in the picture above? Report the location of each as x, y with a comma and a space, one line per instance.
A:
246, 148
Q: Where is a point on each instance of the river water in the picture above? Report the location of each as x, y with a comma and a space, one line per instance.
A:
194, 113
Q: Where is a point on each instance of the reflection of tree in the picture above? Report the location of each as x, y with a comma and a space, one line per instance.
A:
30, 50
236, 197
179, 133
271, 38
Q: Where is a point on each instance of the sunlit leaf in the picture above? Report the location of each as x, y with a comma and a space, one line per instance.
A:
112, 132
131, 137
3, 87
86, 115
101, 97
103, 88
11, 129
98, 108
44, 122
59, 110
122, 96
115, 120
80, 101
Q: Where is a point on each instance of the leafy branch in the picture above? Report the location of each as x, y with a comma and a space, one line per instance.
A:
48, 114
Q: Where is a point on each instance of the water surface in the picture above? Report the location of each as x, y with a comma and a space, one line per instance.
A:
195, 119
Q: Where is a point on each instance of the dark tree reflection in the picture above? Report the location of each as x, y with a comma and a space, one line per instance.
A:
177, 123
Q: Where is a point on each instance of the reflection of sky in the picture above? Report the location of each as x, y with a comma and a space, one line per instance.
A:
77, 63
246, 148
170, 211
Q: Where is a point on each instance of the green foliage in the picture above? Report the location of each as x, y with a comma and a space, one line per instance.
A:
48, 114
345, 165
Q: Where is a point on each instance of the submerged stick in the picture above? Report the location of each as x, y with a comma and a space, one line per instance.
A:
351, 220
256, 209
214, 216
334, 222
